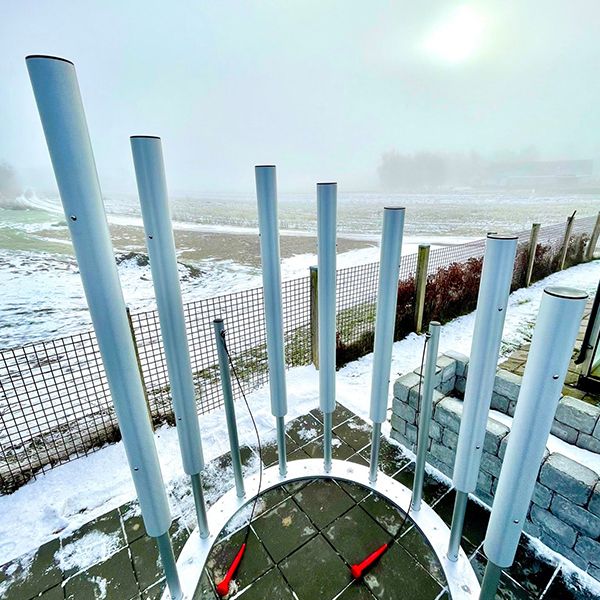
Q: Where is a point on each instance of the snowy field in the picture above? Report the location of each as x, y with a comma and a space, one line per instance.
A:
63, 499
217, 244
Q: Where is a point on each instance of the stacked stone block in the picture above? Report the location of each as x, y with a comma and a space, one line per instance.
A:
565, 509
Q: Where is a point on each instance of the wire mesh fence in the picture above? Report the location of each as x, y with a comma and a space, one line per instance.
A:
55, 402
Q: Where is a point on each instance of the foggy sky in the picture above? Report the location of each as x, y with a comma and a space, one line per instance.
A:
319, 88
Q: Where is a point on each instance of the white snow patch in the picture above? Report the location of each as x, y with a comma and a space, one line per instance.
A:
101, 583
94, 547
574, 576
557, 446
306, 435
17, 571
241, 518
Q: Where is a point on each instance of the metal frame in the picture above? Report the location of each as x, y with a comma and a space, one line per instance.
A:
460, 576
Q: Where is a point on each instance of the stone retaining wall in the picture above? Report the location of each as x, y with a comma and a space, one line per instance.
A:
565, 509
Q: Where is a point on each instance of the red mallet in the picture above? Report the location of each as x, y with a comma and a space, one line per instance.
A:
223, 586
358, 570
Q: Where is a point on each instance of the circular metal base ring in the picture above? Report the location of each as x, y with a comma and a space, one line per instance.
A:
460, 576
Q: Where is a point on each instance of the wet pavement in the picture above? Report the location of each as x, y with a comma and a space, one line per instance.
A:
302, 540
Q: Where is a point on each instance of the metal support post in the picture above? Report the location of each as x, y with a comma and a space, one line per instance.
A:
232, 430
425, 411
167, 558
458, 522
491, 580
375, 445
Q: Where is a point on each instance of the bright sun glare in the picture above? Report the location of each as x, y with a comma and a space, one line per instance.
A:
458, 38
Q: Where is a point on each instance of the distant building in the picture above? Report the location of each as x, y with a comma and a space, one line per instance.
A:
543, 173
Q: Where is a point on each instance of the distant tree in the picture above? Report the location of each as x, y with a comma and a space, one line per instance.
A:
393, 170
408, 171
427, 170
9, 185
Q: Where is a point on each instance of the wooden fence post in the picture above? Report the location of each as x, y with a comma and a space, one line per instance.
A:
533, 238
565, 246
139, 362
420, 285
589, 251
314, 316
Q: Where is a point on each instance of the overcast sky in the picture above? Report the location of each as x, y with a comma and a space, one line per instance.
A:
319, 88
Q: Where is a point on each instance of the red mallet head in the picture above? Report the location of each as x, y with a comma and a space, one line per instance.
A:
223, 586
357, 571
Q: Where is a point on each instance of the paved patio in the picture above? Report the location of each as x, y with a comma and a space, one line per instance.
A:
518, 358
302, 540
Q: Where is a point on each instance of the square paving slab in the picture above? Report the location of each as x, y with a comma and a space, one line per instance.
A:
398, 575
323, 501
315, 571
283, 529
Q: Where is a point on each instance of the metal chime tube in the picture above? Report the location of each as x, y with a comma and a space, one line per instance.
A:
387, 298
156, 215
425, 411
326, 231
225, 375
557, 324
494, 289
268, 224
59, 103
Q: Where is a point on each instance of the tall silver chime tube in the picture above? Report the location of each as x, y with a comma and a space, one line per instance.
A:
556, 327
326, 231
268, 224
156, 215
387, 299
494, 289
59, 103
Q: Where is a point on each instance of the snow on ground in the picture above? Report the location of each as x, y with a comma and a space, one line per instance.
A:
92, 548
557, 446
63, 499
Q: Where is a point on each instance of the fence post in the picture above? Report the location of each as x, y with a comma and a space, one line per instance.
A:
565, 246
421, 285
314, 315
533, 238
589, 252
138, 360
